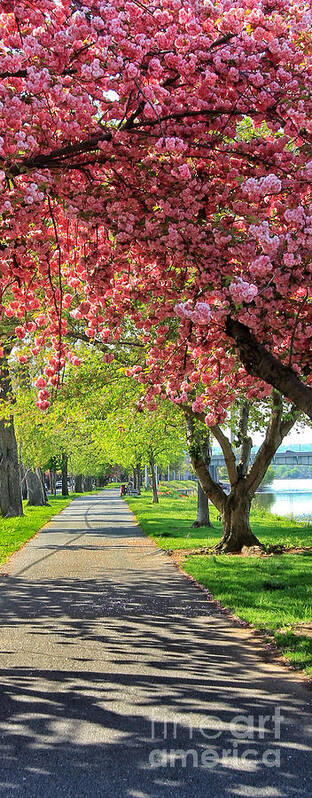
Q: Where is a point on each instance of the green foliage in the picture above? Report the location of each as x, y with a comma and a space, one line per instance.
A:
292, 472
96, 418
269, 476
139, 435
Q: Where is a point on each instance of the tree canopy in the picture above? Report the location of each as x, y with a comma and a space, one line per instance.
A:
156, 165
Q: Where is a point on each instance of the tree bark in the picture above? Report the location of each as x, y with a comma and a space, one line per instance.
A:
235, 508
10, 481
260, 363
202, 509
87, 484
23, 480
154, 480
35, 492
235, 516
42, 477
78, 483
137, 478
64, 474
10, 478
53, 482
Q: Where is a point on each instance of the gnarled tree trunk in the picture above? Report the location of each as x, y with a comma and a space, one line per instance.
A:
10, 481
244, 480
202, 509
35, 491
235, 516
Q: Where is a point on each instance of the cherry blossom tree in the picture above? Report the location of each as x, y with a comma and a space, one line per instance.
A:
157, 158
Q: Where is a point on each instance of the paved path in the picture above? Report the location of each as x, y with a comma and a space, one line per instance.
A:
103, 643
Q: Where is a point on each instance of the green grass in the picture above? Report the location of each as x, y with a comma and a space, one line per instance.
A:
274, 594
16, 531
170, 523
179, 483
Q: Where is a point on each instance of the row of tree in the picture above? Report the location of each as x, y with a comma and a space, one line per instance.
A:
98, 418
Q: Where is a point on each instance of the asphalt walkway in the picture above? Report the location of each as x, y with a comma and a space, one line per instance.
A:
119, 679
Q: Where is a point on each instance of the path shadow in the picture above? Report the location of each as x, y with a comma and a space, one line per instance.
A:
99, 674
151, 650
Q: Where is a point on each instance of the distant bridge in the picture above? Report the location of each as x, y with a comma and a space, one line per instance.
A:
303, 458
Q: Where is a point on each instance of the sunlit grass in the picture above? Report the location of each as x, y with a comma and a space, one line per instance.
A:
274, 594
170, 523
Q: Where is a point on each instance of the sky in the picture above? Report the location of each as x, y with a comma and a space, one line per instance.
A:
300, 433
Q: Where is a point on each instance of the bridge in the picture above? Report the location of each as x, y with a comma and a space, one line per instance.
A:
302, 458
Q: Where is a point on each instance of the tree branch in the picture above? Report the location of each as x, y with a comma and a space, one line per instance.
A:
228, 453
200, 463
244, 439
276, 431
56, 158
260, 363
223, 441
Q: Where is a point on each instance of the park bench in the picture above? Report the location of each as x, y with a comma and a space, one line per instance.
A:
184, 491
132, 491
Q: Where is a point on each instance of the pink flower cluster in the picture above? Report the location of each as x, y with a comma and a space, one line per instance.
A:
258, 188
241, 291
128, 186
200, 314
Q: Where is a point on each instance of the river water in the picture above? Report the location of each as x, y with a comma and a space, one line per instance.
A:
288, 497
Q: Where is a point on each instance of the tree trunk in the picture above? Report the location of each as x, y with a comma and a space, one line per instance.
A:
42, 478
35, 492
53, 482
78, 483
10, 481
202, 509
235, 508
236, 527
137, 478
154, 481
87, 484
23, 480
64, 474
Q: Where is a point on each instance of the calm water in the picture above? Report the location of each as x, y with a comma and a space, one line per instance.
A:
288, 497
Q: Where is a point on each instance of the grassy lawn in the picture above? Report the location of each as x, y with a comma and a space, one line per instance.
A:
274, 594
178, 483
170, 523
16, 531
